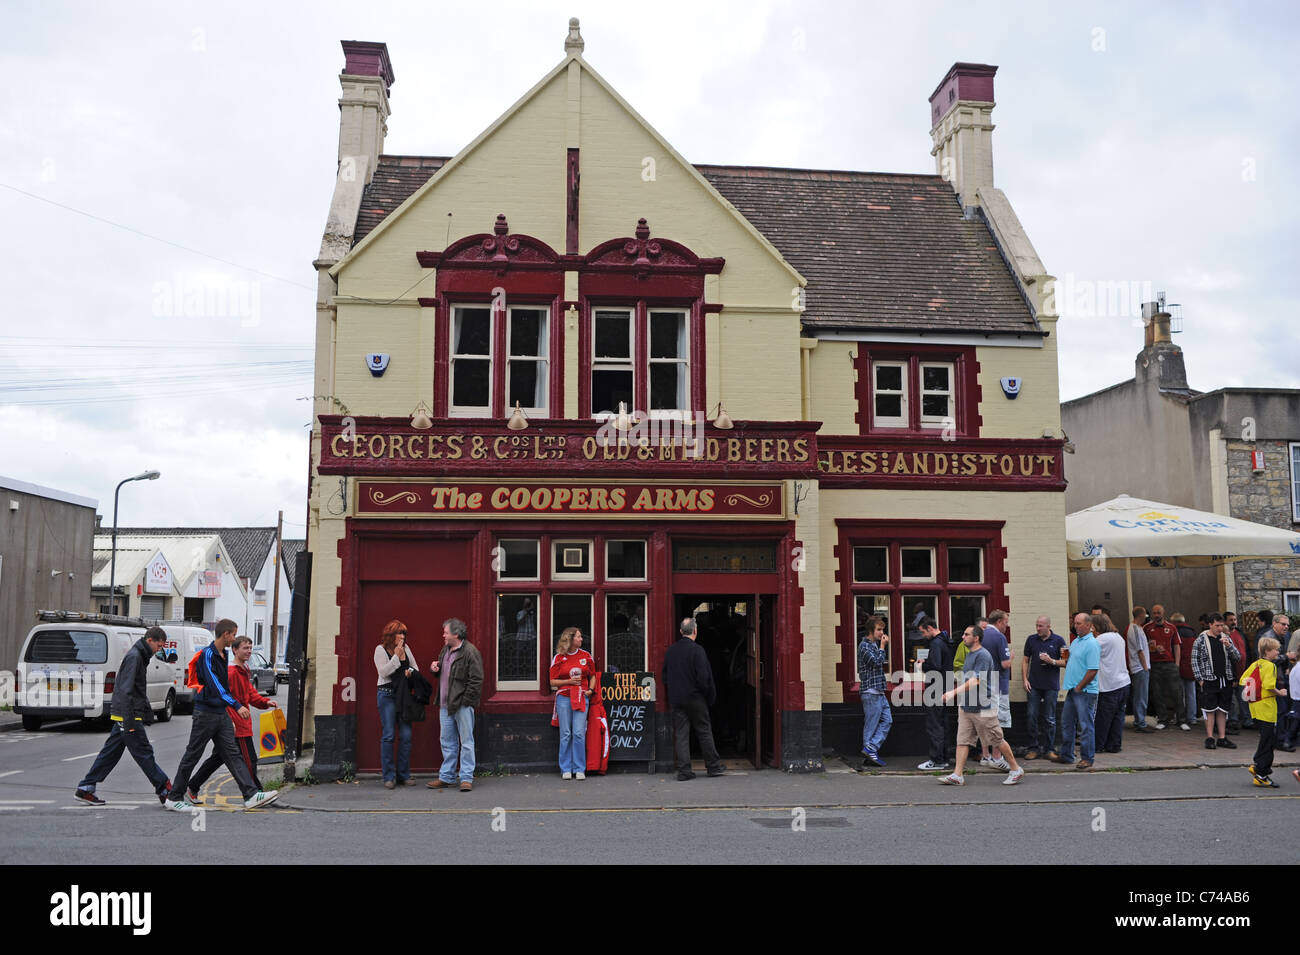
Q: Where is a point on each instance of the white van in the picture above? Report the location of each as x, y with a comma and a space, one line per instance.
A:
185, 640
69, 662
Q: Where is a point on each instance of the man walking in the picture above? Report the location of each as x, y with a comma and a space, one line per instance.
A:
210, 722
935, 667
1040, 669
129, 710
977, 715
243, 690
1081, 695
688, 685
1166, 687
456, 692
1139, 668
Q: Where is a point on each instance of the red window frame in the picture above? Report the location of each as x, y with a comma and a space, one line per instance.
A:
641, 309
966, 391
896, 535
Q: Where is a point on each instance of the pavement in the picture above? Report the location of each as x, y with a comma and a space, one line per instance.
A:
843, 784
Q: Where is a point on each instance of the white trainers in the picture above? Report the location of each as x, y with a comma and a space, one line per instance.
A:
931, 764
566, 775
952, 779
1014, 777
1183, 726
179, 805
986, 761
579, 775
261, 798
1160, 726
1000, 763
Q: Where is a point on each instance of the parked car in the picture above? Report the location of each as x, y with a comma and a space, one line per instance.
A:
69, 662
263, 674
282, 672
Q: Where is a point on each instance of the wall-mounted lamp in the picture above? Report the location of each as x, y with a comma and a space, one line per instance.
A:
723, 420
420, 419
518, 420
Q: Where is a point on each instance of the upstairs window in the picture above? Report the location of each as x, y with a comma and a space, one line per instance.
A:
641, 358
477, 375
917, 389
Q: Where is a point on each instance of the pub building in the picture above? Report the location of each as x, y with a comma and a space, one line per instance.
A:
567, 378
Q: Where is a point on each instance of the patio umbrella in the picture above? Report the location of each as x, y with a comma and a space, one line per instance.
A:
1166, 536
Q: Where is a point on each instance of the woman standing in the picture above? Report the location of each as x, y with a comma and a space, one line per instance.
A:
573, 674
394, 661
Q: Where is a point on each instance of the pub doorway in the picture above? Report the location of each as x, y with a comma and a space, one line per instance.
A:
736, 632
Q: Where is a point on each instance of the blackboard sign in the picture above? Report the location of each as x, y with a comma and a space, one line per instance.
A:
629, 700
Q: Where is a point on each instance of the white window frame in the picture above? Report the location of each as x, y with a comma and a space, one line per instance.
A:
530, 684
543, 360
613, 364
934, 569
684, 361
890, 421
1291, 606
537, 547
471, 411
949, 393
557, 548
645, 556
644, 597
1293, 450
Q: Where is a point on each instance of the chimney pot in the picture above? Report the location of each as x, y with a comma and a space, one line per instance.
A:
961, 128
365, 58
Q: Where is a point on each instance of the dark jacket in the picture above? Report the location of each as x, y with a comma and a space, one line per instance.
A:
412, 695
940, 656
131, 689
465, 684
213, 673
687, 673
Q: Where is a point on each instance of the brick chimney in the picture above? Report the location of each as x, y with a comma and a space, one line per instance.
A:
1160, 362
363, 109
961, 126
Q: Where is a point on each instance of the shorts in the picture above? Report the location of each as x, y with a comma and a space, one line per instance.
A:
979, 727
1214, 699
1004, 710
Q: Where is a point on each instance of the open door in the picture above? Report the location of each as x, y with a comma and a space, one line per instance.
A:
754, 679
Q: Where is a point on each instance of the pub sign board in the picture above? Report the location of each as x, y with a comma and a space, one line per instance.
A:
629, 700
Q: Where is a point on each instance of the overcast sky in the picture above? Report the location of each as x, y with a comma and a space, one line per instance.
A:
1151, 145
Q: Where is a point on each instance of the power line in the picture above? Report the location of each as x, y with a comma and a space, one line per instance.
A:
175, 245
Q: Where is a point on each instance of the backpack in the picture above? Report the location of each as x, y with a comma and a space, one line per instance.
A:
192, 672
1252, 683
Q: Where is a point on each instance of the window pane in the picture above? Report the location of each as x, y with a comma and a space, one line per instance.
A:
571, 557
526, 384
471, 381
865, 607
918, 563
889, 378
473, 331
516, 637
571, 610
527, 326
516, 560
934, 378
625, 633
869, 565
917, 607
934, 406
964, 565
965, 611
889, 406
613, 335
608, 388
626, 560
667, 334
667, 387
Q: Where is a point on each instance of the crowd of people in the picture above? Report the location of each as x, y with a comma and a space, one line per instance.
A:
1162, 668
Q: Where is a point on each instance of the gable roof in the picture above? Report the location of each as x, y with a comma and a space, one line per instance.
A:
290, 549
889, 251
247, 546
395, 179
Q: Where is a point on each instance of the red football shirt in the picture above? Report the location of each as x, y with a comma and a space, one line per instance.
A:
563, 666
1161, 637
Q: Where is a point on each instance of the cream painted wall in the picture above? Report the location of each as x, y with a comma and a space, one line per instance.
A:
1034, 561
814, 581
406, 332
1036, 410
754, 359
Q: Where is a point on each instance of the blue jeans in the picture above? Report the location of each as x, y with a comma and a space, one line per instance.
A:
137, 744
1079, 712
573, 735
1041, 703
1189, 701
876, 720
457, 740
1139, 688
388, 718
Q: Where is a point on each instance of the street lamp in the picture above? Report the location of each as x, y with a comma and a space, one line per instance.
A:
112, 563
